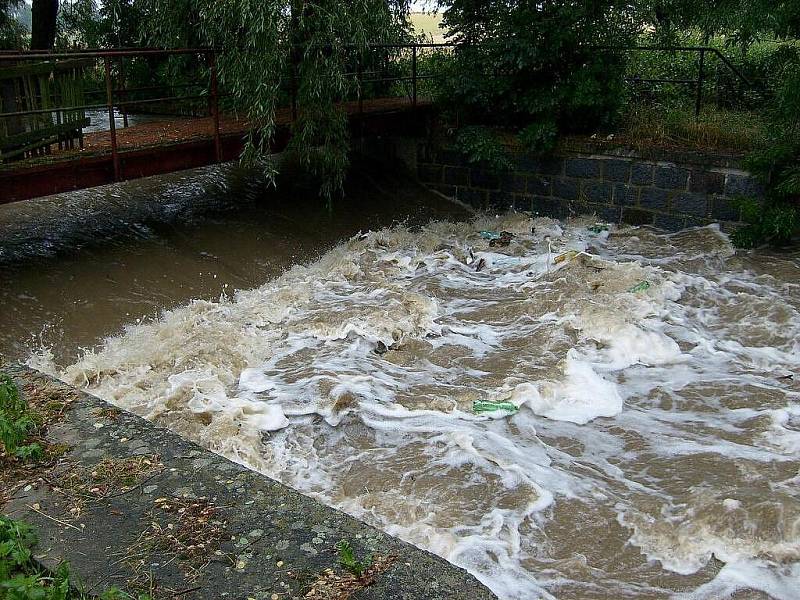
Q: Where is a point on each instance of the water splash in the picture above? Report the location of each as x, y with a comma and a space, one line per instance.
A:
655, 448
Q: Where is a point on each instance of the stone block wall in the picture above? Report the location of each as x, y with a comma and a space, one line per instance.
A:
669, 191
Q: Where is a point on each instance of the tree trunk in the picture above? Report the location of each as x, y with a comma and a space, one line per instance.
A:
43, 28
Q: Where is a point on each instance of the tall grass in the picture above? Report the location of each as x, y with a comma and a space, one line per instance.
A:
716, 129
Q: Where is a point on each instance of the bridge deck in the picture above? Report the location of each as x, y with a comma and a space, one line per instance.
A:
175, 144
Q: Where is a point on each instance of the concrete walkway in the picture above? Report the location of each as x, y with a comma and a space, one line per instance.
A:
135, 506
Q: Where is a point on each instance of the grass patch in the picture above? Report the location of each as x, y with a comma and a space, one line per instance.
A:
16, 423
25, 415
716, 129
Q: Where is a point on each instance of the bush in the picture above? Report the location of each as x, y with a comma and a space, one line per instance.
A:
776, 162
533, 64
482, 146
21, 579
762, 63
16, 422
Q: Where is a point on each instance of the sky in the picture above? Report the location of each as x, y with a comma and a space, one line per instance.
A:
420, 5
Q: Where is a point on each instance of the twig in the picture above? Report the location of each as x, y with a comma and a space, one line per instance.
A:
137, 486
65, 524
186, 591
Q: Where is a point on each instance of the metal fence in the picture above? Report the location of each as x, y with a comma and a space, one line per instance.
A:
386, 70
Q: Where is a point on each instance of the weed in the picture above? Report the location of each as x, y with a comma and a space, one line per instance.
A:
347, 559
22, 579
16, 422
483, 146
716, 129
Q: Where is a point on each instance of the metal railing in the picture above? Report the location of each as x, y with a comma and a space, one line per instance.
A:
697, 82
116, 95
368, 71
115, 92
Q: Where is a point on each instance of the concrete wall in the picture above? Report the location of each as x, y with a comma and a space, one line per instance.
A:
669, 190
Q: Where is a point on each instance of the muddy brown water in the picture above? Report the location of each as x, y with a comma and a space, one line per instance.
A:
654, 449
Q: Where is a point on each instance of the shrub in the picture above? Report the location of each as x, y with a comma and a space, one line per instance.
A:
22, 579
777, 164
16, 422
534, 63
483, 146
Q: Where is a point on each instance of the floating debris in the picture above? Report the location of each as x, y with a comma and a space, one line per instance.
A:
640, 287
598, 228
504, 239
484, 406
565, 257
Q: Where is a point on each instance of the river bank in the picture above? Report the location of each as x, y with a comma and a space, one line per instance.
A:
129, 504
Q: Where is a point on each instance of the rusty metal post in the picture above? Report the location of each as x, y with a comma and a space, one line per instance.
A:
414, 76
212, 59
123, 93
700, 74
111, 124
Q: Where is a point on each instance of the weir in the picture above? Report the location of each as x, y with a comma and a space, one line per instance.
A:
358, 368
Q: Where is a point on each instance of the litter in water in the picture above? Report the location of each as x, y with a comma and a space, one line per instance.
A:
640, 287
569, 255
504, 239
484, 406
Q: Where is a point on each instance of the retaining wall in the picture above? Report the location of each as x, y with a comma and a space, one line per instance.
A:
669, 190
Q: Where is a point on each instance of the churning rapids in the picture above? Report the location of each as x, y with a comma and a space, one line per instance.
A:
655, 450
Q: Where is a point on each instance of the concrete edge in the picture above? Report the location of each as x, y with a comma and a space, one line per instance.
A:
127, 503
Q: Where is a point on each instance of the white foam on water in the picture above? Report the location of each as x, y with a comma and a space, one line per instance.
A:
655, 446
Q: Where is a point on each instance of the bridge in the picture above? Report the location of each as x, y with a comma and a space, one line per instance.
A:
57, 134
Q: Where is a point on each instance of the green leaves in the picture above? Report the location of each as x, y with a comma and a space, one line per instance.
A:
15, 422
271, 50
21, 579
535, 62
539, 137
348, 559
482, 146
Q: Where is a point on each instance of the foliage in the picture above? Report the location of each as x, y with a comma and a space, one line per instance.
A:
483, 146
15, 422
539, 137
535, 63
347, 559
13, 32
107, 24
777, 163
21, 579
744, 20
265, 47
762, 63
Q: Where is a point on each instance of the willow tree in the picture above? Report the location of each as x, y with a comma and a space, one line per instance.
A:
265, 47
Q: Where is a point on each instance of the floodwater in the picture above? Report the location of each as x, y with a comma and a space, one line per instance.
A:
98, 120
652, 446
